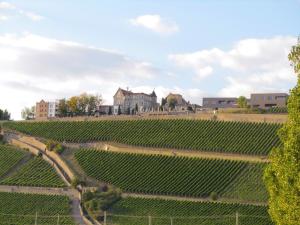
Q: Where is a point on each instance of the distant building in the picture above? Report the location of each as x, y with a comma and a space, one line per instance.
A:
212, 103
128, 102
268, 100
45, 110
41, 110
180, 103
104, 110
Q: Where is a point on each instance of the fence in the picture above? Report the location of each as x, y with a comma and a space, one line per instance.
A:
117, 219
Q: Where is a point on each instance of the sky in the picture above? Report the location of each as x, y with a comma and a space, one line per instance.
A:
198, 48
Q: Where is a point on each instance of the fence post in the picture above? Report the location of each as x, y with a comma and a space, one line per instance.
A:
149, 220
236, 218
35, 219
171, 220
104, 217
58, 219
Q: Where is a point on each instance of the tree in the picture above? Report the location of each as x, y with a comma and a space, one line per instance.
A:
28, 113
163, 101
119, 110
242, 102
172, 102
62, 107
4, 115
109, 110
282, 175
72, 104
136, 108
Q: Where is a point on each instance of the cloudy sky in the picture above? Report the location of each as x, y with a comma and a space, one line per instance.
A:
59, 48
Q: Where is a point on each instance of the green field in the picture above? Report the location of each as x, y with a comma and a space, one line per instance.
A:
9, 157
136, 211
36, 172
21, 209
248, 185
166, 175
205, 135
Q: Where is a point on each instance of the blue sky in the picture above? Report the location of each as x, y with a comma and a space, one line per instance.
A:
197, 48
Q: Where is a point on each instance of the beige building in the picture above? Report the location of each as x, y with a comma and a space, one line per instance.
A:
128, 102
180, 103
268, 100
41, 110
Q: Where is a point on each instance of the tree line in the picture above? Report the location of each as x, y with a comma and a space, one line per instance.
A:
4, 115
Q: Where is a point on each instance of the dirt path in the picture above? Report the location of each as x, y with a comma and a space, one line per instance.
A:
116, 147
191, 199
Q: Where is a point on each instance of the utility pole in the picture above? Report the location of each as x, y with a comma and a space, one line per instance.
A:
149, 220
104, 217
58, 219
236, 218
35, 223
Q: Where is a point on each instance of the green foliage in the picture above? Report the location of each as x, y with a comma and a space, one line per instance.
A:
21, 209
4, 115
282, 176
36, 172
135, 211
248, 185
242, 102
165, 175
55, 146
202, 135
172, 102
96, 202
9, 157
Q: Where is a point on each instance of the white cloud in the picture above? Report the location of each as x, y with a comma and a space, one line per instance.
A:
252, 65
6, 5
34, 67
31, 15
156, 24
3, 18
15, 11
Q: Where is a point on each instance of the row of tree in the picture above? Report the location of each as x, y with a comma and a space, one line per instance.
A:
4, 115
84, 104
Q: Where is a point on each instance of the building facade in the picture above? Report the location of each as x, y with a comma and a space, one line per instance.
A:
212, 103
127, 102
181, 104
268, 100
45, 110
41, 110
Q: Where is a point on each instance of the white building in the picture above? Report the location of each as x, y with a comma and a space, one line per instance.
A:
52, 109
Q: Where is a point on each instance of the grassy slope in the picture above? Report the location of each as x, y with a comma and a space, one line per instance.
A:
13, 207
36, 172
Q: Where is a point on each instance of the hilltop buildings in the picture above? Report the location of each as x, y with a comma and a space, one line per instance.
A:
128, 102
45, 110
256, 101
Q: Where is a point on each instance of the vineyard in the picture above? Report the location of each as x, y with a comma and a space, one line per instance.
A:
9, 157
248, 185
36, 172
23, 209
217, 136
136, 211
164, 175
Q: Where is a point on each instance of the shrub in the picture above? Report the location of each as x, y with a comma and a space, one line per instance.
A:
214, 196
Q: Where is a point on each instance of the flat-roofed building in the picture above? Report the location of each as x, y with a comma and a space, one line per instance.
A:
212, 103
268, 100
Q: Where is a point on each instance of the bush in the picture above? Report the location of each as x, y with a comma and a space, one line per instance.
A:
214, 196
55, 146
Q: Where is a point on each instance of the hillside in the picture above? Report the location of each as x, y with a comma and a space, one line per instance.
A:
180, 176
205, 135
22, 209
135, 211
